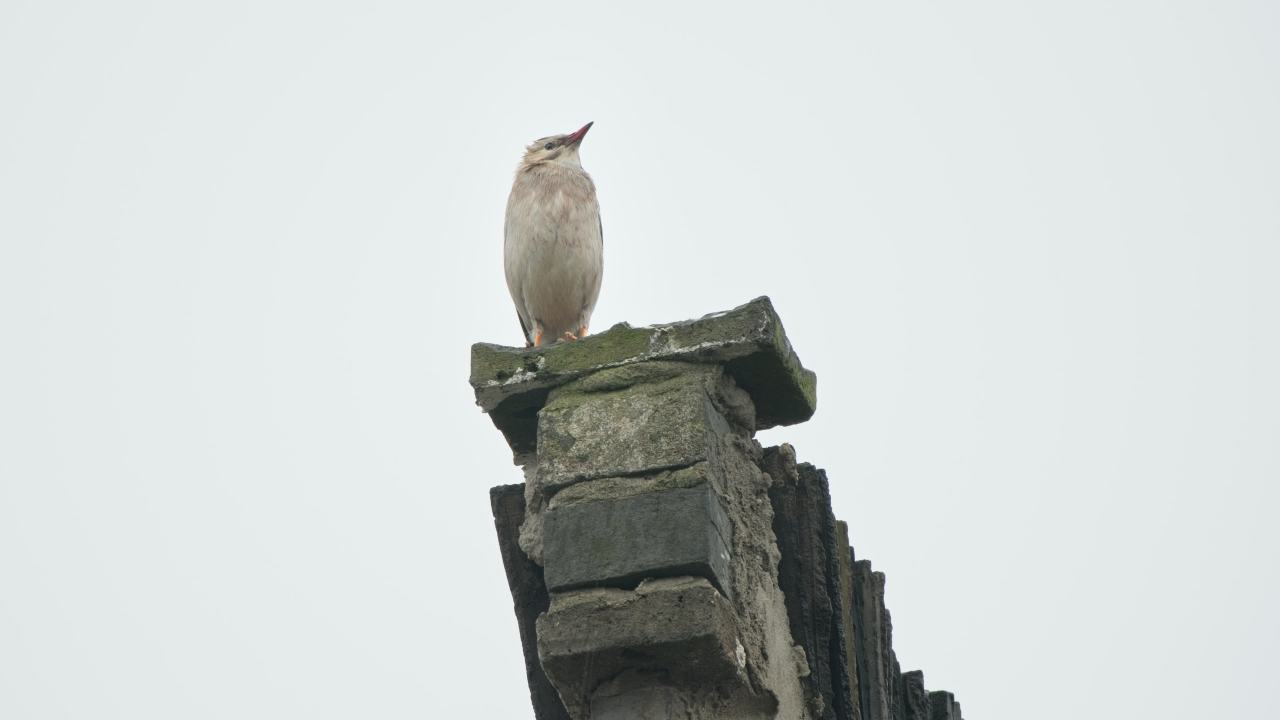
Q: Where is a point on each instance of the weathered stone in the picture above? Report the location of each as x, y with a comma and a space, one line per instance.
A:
896, 693
511, 384
772, 663
691, 573
844, 570
772, 654
648, 697
681, 627
869, 588
809, 576
529, 596
943, 706
585, 433
619, 542
915, 698
617, 488
652, 696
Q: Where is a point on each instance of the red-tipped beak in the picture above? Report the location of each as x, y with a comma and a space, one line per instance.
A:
576, 138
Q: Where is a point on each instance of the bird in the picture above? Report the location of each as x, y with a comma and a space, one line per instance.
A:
553, 241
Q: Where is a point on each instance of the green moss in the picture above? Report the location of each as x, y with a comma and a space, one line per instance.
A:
748, 342
616, 344
493, 362
625, 376
645, 379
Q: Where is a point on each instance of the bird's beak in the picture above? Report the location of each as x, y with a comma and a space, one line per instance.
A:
576, 137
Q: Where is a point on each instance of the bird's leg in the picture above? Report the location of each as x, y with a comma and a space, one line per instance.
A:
582, 331
537, 335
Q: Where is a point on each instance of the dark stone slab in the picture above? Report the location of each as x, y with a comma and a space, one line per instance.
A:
943, 706
896, 690
844, 568
528, 594
809, 575
861, 638
619, 542
872, 662
682, 628
915, 697
511, 384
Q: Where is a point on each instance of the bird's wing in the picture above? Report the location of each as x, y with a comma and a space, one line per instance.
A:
597, 275
524, 329
512, 280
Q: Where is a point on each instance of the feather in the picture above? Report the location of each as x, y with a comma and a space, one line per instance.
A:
553, 244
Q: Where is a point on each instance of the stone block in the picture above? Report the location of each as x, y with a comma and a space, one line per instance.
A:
588, 430
943, 706
844, 570
651, 701
682, 628
873, 660
915, 698
652, 696
511, 384
897, 696
619, 542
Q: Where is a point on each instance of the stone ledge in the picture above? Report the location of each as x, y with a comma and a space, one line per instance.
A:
511, 384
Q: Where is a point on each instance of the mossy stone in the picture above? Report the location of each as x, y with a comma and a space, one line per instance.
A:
512, 384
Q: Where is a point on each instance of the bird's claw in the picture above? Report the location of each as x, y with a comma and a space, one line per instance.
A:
569, 336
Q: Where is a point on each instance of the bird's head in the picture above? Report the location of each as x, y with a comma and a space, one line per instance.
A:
558, 149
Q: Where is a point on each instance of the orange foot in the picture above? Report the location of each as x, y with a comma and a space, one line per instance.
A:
582, 331
569, 336
537, 337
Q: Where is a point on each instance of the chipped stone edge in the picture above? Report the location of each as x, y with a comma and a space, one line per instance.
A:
663, 344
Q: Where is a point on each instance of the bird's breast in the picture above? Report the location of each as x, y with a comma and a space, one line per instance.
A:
554, 207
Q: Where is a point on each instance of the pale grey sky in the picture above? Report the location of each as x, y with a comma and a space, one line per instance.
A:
1029, 248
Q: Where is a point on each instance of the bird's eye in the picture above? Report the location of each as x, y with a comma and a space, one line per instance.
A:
548, 146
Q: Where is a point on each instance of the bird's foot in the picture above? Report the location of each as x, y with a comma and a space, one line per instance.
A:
582, 331
568, 336
537, 337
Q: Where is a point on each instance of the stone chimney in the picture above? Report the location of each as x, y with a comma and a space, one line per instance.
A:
663, 564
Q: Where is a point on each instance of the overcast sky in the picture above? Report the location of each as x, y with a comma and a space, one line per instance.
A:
1031, 250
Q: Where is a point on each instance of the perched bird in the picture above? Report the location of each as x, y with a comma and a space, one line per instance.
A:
554, 243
